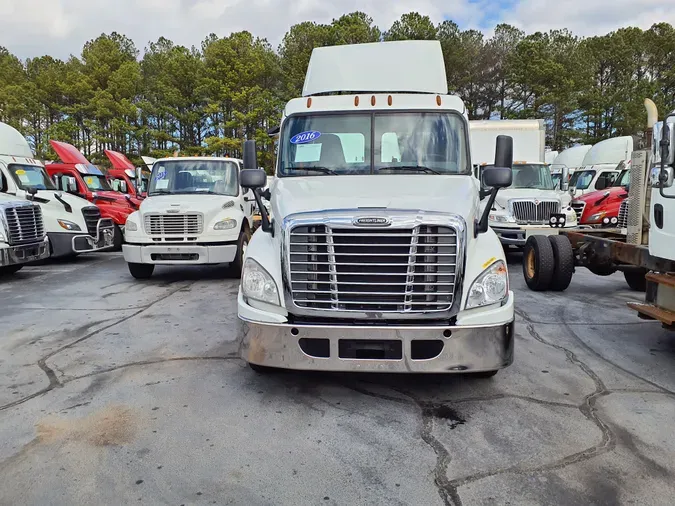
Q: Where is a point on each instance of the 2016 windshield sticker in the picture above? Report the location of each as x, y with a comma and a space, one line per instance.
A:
305, 137
161, 174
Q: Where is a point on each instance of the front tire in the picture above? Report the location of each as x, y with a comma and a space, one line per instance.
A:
238, 263
538, 263
141, 271
118, 238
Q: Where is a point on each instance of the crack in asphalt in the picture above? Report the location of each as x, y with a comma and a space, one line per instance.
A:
49, 372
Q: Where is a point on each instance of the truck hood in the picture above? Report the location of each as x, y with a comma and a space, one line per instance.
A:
591, 198
184, 203
507, 194
447, 194
54, 204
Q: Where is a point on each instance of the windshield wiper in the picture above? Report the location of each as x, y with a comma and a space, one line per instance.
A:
161, 192
416, 168
324, 170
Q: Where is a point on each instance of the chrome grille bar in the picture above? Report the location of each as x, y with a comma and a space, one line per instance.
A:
578, 207
529, 211
24, 223
174, 224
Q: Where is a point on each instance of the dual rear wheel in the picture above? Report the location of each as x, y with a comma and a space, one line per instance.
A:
548, 263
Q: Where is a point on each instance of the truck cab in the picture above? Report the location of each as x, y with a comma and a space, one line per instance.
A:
122, 177
378, 257
72, 224
601, 208
196, 212
601, 165
77, 176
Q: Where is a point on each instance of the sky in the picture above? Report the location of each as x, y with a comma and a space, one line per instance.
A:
61, 27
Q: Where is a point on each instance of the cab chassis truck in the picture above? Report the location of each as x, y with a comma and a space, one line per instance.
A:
643, 245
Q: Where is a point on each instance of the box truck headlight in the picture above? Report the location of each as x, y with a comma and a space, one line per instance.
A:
501, 218
258, 284
227, 224
131, 226
69, 225
491, 287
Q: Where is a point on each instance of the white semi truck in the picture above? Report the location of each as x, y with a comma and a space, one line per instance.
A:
572, 158
528, 205
196, 212
73, 225
601, 165
22, 234
378, 257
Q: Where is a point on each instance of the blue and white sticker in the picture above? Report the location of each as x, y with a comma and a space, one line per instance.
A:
161, 174
305, 137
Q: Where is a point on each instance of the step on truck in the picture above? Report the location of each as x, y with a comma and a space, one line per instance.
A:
196, 212
643, 245
533, 199
74, 174
73, 225
378, 257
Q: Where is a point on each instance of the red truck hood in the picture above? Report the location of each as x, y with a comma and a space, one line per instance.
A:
596, 203
591, 198
68, 153
118, 160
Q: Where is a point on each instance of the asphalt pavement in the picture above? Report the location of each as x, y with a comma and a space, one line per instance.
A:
117, 391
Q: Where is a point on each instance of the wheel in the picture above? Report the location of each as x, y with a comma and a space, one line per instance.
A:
141, 271
636, 280
484, 374
564, 262
118, 238
238, 263
10, 269
538, 263
261, 369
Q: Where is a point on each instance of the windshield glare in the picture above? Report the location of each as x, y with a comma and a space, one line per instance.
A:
581, 179
194, 176
94, 182
365, 143
26, 176
532, 175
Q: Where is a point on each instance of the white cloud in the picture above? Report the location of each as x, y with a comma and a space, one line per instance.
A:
61, 27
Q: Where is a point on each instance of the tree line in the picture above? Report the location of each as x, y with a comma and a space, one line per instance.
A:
206, 100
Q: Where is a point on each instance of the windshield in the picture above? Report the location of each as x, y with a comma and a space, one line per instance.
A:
95, 182
194, 176
532, 175
623, 179
556, 178
581, 179
144, 184
365, 143
26, 176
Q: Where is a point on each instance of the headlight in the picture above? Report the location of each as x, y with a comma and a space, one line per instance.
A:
227, 224
597, 216
256, 283
131, 226
501, 218
490, 287
69, 225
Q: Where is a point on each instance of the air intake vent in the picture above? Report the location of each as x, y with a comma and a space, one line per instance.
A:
25, 224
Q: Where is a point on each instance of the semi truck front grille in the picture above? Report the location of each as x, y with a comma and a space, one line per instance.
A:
24, 223
534, 211
91, 217
578, 207
174, 224
623, 214
388, 270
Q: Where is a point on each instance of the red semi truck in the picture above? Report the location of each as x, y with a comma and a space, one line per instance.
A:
601, 208
122, 177
77, 176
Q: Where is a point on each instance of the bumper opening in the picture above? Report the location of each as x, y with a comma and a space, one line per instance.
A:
317, 348
375, 349
185, 257
425, 349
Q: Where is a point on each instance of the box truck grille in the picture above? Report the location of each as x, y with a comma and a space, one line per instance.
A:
174, 224
392, 270
91, 217
578, 207
24, 223
623, 214
534, 211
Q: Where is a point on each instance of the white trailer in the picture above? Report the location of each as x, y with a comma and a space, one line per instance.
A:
378, 257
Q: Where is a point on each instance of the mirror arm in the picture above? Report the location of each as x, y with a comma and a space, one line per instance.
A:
264, 217
482, 225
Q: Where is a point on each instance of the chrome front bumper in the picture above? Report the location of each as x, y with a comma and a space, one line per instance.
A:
464, 349
14, 255
518, 236
105, 238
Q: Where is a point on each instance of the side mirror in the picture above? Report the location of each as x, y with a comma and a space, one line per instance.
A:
252, 178
70, 184
123, 186
497, 177
565, 179
664, 177
601, 184
667, 143
251, 158
504, 152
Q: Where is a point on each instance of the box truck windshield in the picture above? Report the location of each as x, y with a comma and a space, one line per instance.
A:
535, 176
194, 176
371, 143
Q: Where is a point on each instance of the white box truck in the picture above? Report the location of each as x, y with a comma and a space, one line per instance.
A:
196, 212
378, 257
533, 200
73, 224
